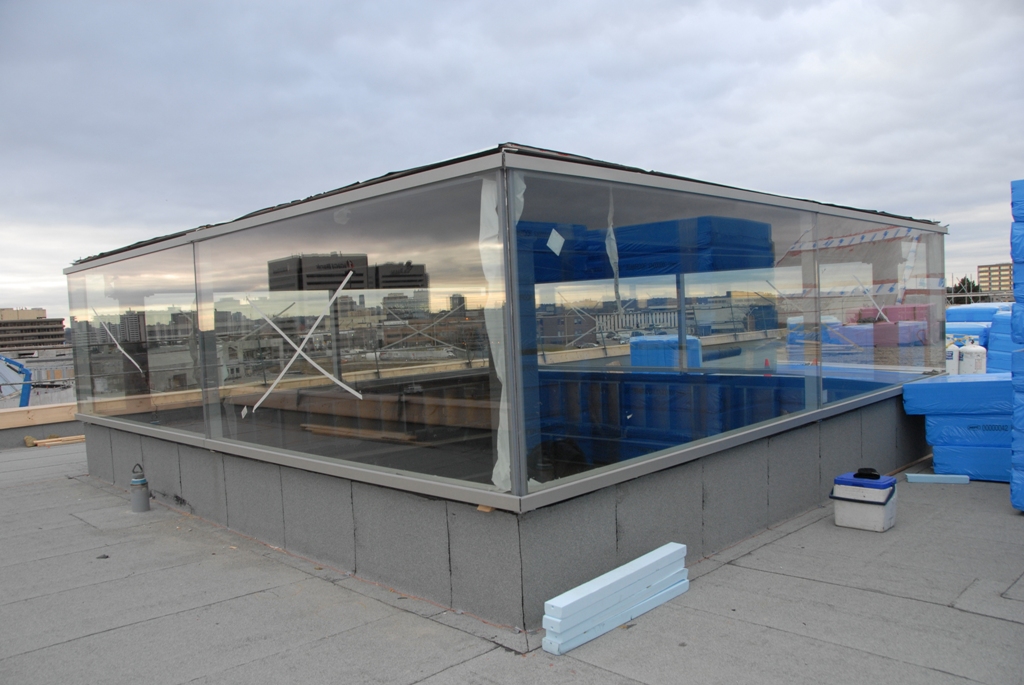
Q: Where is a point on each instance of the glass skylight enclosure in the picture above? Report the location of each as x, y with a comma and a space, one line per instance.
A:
506, 323
652, 319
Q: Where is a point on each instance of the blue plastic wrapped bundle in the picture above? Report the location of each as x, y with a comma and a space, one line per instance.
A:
1017, 363
663, 351
990, 393
1017, 241
1018, 282
997, 361
981, 311
1017, 488
978, 463
1017, 323
1002, 321
1017, 200
1000, 342
977, 329
981, 430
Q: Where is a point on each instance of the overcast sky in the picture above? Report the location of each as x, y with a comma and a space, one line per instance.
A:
124, 121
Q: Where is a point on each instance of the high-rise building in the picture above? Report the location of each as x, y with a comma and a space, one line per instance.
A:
29, 328
995, 276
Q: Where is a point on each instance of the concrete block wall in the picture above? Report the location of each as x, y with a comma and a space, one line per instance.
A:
499, 565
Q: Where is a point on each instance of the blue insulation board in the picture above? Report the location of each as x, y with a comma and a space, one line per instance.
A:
981, 311
663, 351
986, 394
1001, 343
1002, 321
1017, 362
1017, 489
1017, 200
978, 329
997, 361
985, 430
1017, 240
1017, 323
979, 463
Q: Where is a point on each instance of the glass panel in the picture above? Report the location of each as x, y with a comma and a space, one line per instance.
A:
366, 332
882, 304
653, 318
136, 350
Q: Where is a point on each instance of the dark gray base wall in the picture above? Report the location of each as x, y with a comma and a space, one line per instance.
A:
498, 565
15, 437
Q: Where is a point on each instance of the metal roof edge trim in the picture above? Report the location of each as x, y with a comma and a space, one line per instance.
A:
422, 485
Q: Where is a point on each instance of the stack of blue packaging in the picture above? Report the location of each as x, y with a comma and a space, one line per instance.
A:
1000, 342
1017, 331
968, 422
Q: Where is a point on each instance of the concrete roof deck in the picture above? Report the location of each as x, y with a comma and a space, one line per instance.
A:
90, 592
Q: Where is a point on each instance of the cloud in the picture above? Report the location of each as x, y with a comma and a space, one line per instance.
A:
127, 120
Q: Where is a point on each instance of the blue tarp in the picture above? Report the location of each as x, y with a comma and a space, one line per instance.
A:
981, 311
990, 393
1017, 200
979, 463
982, 430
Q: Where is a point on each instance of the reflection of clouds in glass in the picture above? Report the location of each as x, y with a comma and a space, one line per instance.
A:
436, 225
718, 284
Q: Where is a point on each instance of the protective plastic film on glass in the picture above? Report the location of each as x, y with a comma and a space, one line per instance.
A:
134, 328
882, 304
652, 319
370, 332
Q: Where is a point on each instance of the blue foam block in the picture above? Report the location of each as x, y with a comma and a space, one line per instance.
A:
554, 646
936, 478
980, 311
997, 361
1017, 323
1017, 200
980, 463
990, 430
989, 393
1017, 489
1017, 362
1001, 343
1017, 240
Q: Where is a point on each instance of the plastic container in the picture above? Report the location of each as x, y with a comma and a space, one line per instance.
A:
865, 500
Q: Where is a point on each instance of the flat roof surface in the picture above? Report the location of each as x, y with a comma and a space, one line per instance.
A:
91, 592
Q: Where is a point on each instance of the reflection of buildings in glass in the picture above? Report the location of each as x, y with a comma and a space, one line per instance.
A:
133, 327
456, 301
566, 328
327, 271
